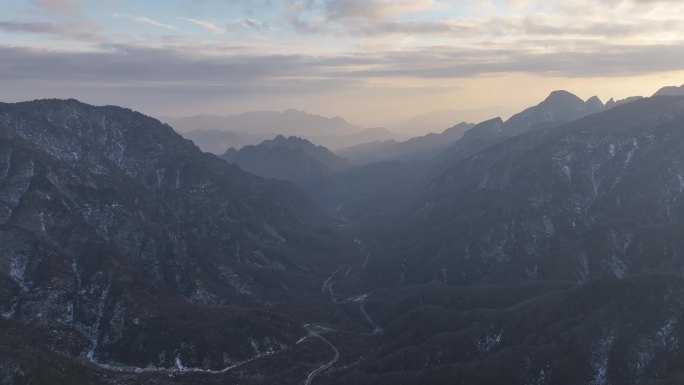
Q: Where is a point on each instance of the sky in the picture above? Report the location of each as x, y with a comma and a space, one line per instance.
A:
373, 62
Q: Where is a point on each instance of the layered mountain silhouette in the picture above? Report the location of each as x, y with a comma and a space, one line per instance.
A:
580, 200
423, 147
544, 249
290, 122
284, 158
558, 108
217, 133
430, 155
217, 141
670, 91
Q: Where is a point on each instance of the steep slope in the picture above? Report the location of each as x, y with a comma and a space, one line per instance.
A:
286, 158
670, 91
596, 197
372, 201
611, 103
423, 147
442, 153
124, 249
605, 332
558, 108
548, 258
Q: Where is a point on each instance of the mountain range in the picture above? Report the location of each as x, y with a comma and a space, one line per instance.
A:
558, 108
292, 122
670, 91
432, 154
215, 134
544, 249
125, 249
548, 257
418, 148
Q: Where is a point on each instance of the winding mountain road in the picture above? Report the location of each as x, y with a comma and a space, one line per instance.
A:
376, 328
321, 369
316, 330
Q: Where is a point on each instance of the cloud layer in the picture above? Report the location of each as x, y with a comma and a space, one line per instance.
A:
263, 48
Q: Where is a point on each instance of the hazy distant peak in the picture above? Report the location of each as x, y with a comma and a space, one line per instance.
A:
278, 139
290, 141
288, 158
564, 99
614, 103
488, 125
562, 96
288, 122
670, 91
417, 148
594, 101
294, 112
460, 127
559, 106
491, 122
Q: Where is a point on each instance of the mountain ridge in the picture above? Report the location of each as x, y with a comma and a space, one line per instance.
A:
134, 251
495, 176
548, 254
290, 158
418, 148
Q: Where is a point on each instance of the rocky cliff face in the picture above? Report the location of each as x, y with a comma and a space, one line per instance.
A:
558, 108
597, 197
126, 247
552, 257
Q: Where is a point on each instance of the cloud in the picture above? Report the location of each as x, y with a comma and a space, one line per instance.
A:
145, 20
376, 9
355, 17
131, 64
351, 42
125, 64
251, 24
626, 22
434, 28
81, 31
64, 7
205, 24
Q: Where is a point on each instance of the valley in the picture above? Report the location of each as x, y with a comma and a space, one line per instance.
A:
527, 249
